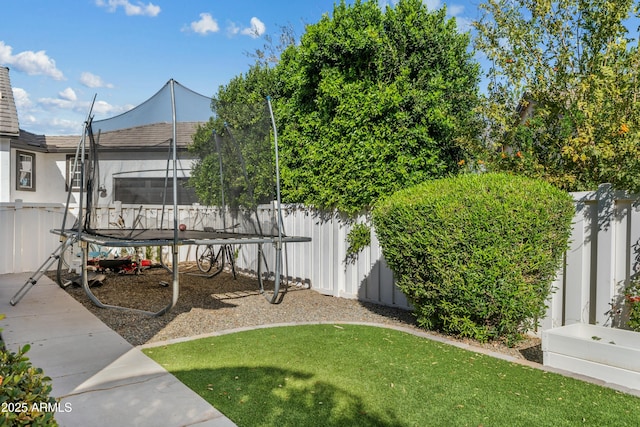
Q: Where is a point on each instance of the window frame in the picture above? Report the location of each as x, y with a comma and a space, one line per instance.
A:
149, 190
69, 159
19, 161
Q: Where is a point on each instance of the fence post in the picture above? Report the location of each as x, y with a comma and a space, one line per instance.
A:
574, 289
18, 237
605, 253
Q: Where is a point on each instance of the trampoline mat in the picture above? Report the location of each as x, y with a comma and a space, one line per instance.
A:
142, 237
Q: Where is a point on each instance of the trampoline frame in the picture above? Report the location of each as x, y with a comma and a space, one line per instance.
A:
172, 237
109, 241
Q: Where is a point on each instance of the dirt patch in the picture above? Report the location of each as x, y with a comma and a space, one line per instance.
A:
207, 305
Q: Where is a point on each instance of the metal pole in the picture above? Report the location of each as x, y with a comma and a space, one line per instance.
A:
278, 200
176, 283
278, 206
224, 210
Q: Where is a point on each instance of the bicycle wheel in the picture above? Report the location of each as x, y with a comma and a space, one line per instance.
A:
204, 254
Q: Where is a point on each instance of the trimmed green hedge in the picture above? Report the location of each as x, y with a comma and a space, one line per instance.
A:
476, 254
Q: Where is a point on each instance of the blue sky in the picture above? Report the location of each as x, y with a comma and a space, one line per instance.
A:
63, 52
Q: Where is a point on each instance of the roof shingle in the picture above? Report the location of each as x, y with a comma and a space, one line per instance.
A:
8, 113
148, 138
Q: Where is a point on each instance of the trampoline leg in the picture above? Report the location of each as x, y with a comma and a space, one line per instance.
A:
55, 256
277, 295
97, 302
232, 261
176, 280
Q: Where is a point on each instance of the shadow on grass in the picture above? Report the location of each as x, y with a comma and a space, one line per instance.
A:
270, 396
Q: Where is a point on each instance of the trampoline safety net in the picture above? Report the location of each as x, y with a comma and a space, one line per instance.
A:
240, 203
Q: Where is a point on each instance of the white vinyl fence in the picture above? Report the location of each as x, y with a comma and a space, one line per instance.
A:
25, 238
601, 260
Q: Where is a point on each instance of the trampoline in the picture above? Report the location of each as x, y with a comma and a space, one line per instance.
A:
243, 173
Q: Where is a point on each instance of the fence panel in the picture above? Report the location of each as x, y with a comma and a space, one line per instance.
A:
602, 258
25, 234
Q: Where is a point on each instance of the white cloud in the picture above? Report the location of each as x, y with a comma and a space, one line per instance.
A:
60, 115
68, 94
130, 9
63, 126
256, 29
432, 4
30, 62
232, 29
91, 80
61, 103
21, 98
455, 10
382, 4
68, 105
104, 109
205, 25
464, 24
26, 120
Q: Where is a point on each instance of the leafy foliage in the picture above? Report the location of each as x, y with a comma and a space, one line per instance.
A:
359, 237
22, 389
572, 70
373, 101
368, 102
238, 140
476, 254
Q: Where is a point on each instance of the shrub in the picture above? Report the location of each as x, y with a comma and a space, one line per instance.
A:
476, 254
24, 391
358, 238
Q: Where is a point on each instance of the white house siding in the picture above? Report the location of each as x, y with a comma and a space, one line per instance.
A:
49, 178
50, 173
5, 170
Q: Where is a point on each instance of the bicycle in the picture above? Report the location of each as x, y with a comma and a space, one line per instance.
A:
208, 258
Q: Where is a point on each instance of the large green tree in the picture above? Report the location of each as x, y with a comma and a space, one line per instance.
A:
372, 101
369, 101
237, 139
563, 86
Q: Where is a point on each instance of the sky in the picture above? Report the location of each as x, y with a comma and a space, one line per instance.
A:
63, 53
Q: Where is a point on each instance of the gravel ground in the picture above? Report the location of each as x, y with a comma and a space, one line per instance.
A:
221, 303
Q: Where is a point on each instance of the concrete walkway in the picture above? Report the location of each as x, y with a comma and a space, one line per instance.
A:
101, 379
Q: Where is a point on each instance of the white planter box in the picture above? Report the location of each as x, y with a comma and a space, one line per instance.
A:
608, 354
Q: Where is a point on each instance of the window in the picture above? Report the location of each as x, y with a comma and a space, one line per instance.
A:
74, 177
25, 171
151, 191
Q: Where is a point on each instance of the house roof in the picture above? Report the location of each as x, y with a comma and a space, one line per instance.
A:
8, 113
154, 137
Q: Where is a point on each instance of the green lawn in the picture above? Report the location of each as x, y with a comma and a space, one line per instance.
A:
353, 375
